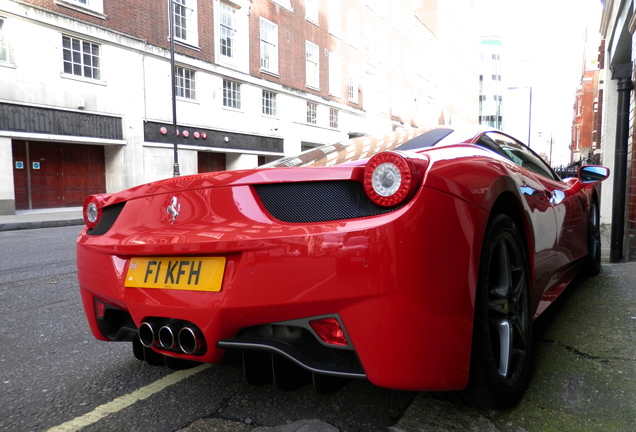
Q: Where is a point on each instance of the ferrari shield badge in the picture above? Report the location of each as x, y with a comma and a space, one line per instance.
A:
173, 209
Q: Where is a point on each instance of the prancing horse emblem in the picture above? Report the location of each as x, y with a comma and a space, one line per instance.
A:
173, 209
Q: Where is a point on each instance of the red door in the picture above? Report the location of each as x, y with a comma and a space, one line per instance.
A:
56, 175
20, 179
43, 170
209, 162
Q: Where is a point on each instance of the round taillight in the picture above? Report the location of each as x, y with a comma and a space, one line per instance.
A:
93, 208
390, 178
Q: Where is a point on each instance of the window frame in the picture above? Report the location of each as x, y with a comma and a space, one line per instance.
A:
227, 31
268, 32
81, 52
187, 22
269, 103
312, 65
352, 90
333, 118
285, 4
312, 113
182, 88
312, 8
335, 74
334, 18
91, 7
4, 41
231, 94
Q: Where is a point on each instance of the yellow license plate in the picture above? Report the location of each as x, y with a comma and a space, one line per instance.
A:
191, 273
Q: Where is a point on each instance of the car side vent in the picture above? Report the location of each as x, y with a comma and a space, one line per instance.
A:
317, 201
109, 216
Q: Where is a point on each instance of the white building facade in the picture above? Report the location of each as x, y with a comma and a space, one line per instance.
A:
86, 94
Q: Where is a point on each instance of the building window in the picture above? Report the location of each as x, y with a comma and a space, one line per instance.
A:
334, 17
353, 29
312, 65
228, 30
335, 74
4, 46
269, 46
185, 83
352, 90
93, 5
231, 94
269, 103
284, 3
311, 113
333, 118
185, 21
81, 58
370, 45
311, 11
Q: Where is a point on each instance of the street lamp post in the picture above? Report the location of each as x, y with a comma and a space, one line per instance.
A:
175, 132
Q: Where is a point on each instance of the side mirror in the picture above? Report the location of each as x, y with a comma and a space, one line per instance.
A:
591, 174
588, 175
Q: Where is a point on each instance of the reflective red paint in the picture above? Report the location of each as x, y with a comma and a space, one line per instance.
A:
402, 301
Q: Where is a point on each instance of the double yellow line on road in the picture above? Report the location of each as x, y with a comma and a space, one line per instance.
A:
125, 401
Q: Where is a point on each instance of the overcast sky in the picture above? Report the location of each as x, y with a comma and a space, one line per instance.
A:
544, 45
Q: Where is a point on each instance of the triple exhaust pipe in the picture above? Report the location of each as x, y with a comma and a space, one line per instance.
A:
176, 336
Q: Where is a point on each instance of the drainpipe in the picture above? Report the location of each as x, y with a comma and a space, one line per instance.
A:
622, 73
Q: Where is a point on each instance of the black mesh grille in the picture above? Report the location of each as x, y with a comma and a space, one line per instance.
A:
317, 201
302, 339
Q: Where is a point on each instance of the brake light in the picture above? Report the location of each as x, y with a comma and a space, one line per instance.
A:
391, 178
329, 330
100, 309
93, 209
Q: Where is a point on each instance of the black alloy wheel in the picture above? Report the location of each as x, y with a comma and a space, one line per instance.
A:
502, 332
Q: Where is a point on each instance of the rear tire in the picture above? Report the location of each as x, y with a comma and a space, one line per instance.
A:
502, 332
138, 349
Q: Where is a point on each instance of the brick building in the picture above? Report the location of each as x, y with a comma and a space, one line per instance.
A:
616, 79
585, 145
86, 94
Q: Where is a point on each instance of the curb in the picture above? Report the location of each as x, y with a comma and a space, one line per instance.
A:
16, 226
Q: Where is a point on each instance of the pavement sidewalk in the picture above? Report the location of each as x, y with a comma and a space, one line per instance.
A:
42, 218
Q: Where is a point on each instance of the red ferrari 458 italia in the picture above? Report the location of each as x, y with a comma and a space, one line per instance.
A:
416, 260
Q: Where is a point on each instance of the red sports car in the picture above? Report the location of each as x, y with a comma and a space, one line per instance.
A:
417, 260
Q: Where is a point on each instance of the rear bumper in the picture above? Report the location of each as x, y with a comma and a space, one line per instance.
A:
405, 302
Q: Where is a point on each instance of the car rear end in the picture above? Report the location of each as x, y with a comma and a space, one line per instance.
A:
332, 269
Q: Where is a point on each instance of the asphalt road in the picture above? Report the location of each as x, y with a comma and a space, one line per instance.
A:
57, 377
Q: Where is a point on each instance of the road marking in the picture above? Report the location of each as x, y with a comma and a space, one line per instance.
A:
127, 400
